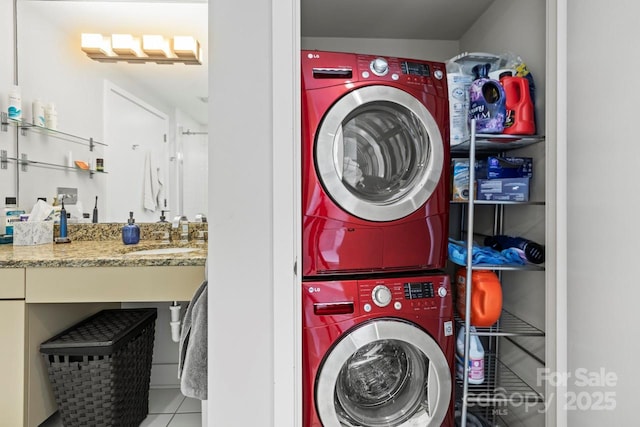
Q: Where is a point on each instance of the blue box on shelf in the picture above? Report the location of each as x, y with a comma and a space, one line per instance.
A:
505, 167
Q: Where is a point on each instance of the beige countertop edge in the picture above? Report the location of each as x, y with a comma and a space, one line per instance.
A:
104, 263
96, 254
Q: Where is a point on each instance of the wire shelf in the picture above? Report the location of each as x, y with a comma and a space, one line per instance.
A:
507, 326
509, 267
487, 143
501, 386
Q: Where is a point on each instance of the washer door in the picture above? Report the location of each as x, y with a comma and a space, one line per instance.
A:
379, 153
384, 373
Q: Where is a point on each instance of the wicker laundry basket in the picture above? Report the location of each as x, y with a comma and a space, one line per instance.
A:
100, 368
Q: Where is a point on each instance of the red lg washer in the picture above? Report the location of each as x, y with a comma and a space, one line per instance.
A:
375, 153
378, 352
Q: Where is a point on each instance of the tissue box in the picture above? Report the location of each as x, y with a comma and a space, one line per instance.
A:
26, 233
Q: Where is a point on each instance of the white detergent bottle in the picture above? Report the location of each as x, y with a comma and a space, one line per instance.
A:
15, 104
476, 356
458, 84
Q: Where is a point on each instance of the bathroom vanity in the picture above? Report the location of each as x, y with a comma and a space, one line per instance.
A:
47, 288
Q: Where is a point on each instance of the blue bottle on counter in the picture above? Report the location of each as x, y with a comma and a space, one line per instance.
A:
63, 221
131, 231
62, 238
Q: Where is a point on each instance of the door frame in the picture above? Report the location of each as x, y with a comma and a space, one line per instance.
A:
111, 89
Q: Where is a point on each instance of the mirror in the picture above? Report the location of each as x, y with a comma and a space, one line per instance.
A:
146, 121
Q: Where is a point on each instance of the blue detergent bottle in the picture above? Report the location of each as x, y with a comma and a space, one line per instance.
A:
486, 101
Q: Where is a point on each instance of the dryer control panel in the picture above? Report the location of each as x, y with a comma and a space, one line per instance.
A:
323, 69
410, 72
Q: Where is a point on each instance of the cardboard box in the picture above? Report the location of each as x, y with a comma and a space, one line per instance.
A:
504, 189
460, 179
504, 167
27, 233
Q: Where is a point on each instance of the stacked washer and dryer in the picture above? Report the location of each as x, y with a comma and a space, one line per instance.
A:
378, 345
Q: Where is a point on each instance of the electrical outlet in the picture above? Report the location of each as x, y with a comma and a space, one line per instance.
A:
70, 195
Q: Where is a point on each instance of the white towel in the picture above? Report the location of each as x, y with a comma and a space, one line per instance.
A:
160, 193
152, 183
192, 357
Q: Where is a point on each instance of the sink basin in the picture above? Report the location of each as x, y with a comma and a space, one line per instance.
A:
162, 251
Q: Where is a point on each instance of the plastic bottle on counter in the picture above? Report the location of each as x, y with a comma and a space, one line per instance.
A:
63, 221
37, 110
15, 104
10, 214
51, 116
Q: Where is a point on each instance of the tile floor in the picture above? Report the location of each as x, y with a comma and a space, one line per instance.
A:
167, 408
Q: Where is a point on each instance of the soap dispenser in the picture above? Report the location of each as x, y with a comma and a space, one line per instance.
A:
131, 231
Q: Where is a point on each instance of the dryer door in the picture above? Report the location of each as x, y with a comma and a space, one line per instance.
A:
384, 373
379, 153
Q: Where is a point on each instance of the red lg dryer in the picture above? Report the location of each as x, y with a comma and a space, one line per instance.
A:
378, 352
375, 153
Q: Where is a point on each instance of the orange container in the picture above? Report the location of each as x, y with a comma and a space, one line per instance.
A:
520, 115
486, 296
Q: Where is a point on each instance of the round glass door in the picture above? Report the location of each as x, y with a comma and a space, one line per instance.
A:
379, 153
395, 376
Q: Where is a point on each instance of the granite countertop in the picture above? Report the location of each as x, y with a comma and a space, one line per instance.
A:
106, 253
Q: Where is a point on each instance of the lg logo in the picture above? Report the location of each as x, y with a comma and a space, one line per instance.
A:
312, 290
313, 56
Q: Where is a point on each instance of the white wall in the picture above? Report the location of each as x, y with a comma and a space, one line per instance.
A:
7, 139
241, 335
603, 202
254, 314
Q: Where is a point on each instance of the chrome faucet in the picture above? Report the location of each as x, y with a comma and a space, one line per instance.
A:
181, 224
166, 236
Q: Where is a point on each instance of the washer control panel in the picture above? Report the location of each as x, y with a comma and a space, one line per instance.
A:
379, 66
429, 294
381, 296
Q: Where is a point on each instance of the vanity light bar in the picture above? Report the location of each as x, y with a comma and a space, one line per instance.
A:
150, 48
126, 46
186, 47
156, 46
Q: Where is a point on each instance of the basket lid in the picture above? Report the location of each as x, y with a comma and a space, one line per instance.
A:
100, 334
